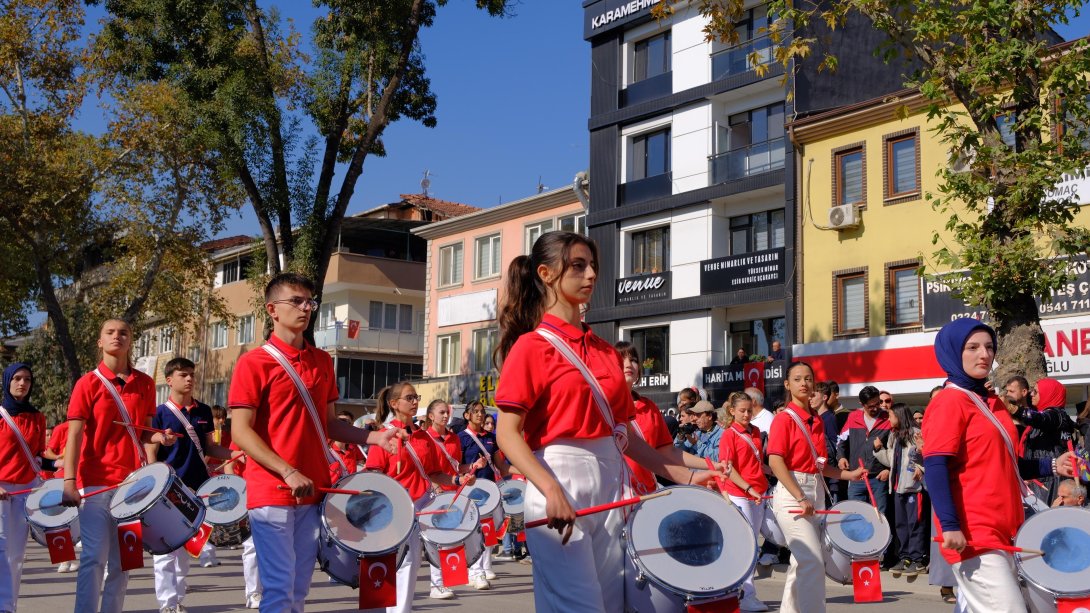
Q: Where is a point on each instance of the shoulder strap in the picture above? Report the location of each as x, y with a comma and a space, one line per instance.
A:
1002, 433
443, 448
749, 441
484, 452
18, 434
124, 411
190, 430
309, 402
408, 445
813, 450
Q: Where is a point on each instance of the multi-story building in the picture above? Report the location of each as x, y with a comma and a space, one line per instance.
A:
691, 200
865, 315
467, 259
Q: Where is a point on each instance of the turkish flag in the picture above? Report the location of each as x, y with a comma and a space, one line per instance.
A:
1072, 605
454, 566
754, 375
353, 328
502, 532
867, 581
130, 539
378, 581
488, 529
195, 544
61, 548
521, 537
724, 605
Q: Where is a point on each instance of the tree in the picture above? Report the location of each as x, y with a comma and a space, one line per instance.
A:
1006, 98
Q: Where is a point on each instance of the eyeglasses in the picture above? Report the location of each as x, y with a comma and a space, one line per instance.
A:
303, 304
477, 411
411, 398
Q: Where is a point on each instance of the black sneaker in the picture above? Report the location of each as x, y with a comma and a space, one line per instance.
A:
899, 568
915, 568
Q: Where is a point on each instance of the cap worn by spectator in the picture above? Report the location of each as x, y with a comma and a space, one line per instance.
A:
703, 407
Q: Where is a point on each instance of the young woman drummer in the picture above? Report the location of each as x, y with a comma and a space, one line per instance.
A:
417, 467
794, 456
555, 433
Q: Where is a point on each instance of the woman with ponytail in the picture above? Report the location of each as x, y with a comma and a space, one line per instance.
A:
556, 434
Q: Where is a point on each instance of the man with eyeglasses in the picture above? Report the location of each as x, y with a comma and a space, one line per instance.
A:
862, 435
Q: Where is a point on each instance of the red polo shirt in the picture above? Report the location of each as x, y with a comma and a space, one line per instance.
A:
733, 448
409, 476
982, 472
281, 418
56, 444
453, 446
652, 427
786, 439
108, 454
538, 381
14, 466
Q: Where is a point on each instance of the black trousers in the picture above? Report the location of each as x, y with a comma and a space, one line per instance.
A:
912, 526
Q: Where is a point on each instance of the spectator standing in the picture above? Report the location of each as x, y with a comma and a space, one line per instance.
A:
1070, 493
762, 417
776, 353
1047, 428
858, 440
706, 443
740, 358
900, 452
819, 404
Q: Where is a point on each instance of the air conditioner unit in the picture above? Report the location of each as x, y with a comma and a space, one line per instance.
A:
843, 217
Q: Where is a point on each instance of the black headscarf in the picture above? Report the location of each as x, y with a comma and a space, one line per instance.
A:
9, 402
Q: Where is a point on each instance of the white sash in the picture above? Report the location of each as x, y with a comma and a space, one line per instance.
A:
813, 450
408, 445
309, 402
188, 426
443, 448
140, 453
749, 441
983, 408
484, 452
34, 465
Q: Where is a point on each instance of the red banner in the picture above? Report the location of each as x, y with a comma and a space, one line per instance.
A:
502, 532
61, 547
488, 529
130, 541
454, 566
353, 328
378, 581
867, 581
754, 375
726, 605
195, 544
1072, 605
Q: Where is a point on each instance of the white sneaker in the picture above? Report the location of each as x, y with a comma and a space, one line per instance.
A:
168, 609
253, 601
752, 603
63, 567
440, 592
480, 583
768, 559
491, 576
210, 563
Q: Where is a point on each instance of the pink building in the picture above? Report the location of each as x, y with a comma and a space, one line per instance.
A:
467, 258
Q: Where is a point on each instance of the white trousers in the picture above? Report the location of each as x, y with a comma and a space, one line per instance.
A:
587, 574
482, 565
249, 567
804, 590
208, 554
171, 571
754, 512
13, 534
286, 539
99, 558
436, 576
989, 583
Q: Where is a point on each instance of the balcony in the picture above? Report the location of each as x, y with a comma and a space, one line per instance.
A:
642, 190
736, 60
657, 86
371, 340
748, 161
353, 271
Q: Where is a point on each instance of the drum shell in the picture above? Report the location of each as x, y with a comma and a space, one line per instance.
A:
229, 528
38, 533
467, 533
38, 529
230, 535
1040, 596
473, 543
838, 561
515, 514
771, 530
171, 519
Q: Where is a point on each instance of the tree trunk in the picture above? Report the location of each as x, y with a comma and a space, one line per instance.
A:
56, 315
1021, 341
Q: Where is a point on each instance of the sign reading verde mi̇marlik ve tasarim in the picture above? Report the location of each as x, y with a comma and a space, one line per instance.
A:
742, 271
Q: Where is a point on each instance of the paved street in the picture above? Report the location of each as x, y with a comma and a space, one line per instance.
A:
220, 589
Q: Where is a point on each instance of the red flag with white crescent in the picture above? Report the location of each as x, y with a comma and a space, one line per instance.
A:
195, 544
488, 529
353, 328
867, 581
130, 540
754, 375
454, 566
378, 581
502, 531
61, 548
723, 605
1073, 605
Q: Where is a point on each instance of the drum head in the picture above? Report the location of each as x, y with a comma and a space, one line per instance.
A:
1063, 534
225, 498
513, 495
451, 527
141, 490
43, 506
375, 521
692, 542
857, 531
485, 494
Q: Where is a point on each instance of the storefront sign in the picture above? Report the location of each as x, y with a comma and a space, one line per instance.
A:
1067, 347
645, 288
743, 271
487, 390
941, 306
606, 15
720, 381
659, 379
1074, 187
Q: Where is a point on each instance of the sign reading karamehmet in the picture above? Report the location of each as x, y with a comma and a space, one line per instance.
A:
742, 271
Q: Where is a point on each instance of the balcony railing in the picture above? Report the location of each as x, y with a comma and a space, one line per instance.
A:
736, 60
748, 161
648, 89
373, 340
642, 190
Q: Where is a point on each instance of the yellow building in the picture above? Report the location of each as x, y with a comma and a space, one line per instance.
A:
865, 317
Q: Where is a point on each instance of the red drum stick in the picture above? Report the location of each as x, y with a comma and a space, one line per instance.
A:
21, 492
331, 490
799, 512
139, 427
870, 492
603, 507
1010, 548
105, 489
1074, 460
222, 467
436, 512
456, 495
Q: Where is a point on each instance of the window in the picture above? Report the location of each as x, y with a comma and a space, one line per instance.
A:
219, 393
756, 232
359, 379
651, 57
902, 166
755, 336
651, 251
194, 354
653, 343
750, 143
534, 232
142, 346
903, 298
650, 155
384, 316
231, 272
162, 392
1005, 123
850, 183
218, 335
327, 317
484, 342
166, 340
573, 223
752, 31
487, 257
448, 355
850, 303
245, 329
405, 318
450, 265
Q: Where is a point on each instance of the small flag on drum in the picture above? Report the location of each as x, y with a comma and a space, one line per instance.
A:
61, 548
867, 581
1073, 605
130, 540
489, 532
195, 544
378, 581
724, 605
454, 566
502, 532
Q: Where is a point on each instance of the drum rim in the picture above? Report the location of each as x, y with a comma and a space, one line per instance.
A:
522, 507
662, 583
172, 477
28, 511
498, 496
209, 510
473, 526
852, 555
328, 531
1035, 581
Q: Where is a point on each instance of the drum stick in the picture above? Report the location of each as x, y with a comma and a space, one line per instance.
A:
830, 512
436, 512
1074, 460
331, 490
870, 492
21, 492
1010, 548
456, 495
603, 507
227, 463
139, 427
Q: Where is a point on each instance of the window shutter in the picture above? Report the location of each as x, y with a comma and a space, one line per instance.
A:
852, 305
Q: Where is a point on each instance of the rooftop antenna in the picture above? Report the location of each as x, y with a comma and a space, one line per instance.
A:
540, 186
425, 183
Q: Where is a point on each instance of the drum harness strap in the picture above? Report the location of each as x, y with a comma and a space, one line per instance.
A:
749, 442
1002, 432
450, 458
192, 432
330, 457
813, 450
408, 446
18, 434
124, 416
484, 452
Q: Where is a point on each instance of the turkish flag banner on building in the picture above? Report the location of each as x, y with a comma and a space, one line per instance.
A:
378, 581
353, 328
725, 605
454, 566
1072, 605
61, 547
130, 539
754, 375
488, 529
195, 544
867, 581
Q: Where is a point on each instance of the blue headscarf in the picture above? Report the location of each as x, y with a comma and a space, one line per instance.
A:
9, 402
949, 343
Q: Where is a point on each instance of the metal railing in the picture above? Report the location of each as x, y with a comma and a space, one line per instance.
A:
374, 340
748, 161
736, 59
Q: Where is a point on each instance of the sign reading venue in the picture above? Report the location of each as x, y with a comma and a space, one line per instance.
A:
742, 271
644, 288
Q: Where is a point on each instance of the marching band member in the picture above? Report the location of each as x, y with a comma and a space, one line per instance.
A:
22, 438
479, 449
101, 453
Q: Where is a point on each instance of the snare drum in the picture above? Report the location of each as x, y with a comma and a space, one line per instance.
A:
375, 522
770, 529
225, 498
486, 495
45, 512
170, 512
1063, 533
513, 496
856, 533
689, 547
460, 525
